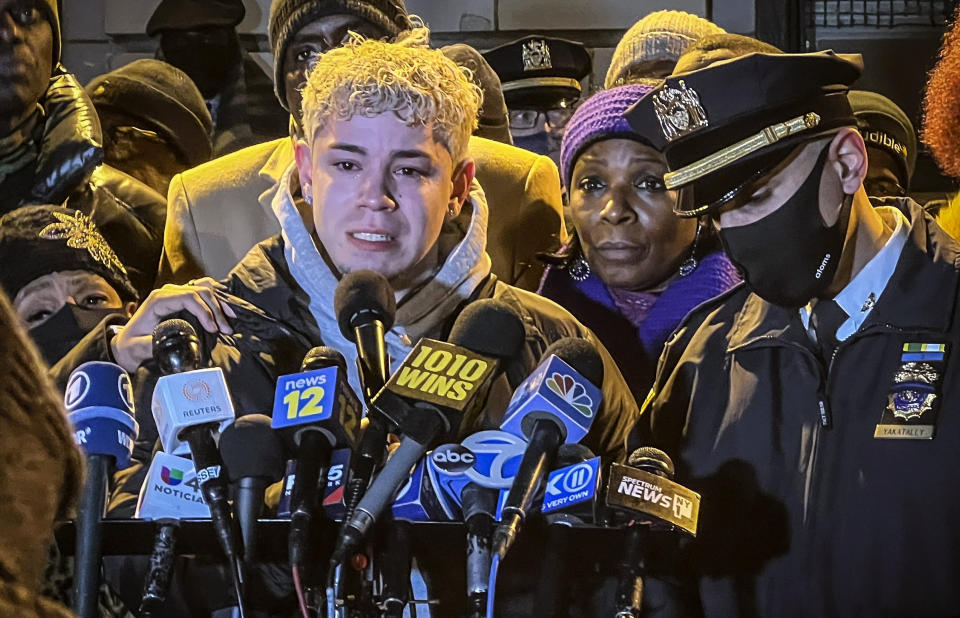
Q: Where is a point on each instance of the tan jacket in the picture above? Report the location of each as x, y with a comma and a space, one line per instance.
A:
218, 211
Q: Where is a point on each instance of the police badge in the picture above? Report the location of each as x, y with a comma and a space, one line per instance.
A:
679, 111
911, 410
536, 55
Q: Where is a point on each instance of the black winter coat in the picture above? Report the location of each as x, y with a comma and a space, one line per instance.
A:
799, 518
67, 167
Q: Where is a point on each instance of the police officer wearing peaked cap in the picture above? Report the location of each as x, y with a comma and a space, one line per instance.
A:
540, 72
814, 407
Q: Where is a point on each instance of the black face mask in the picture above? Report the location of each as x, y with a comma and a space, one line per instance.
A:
791, 255
65, 328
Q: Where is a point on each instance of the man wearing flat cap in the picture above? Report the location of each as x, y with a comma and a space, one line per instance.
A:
200, 38
815, 406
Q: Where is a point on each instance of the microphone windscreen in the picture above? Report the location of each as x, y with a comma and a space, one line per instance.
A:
173, 328
652, 460
363, 291
176, 347
489, 327
581, 355
323, 356
569, 454
251, 448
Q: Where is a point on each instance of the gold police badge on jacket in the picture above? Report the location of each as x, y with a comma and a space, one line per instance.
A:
914, 397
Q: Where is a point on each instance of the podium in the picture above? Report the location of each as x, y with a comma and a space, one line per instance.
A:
574, 555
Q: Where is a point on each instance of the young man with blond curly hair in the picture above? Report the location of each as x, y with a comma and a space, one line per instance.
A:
390, 187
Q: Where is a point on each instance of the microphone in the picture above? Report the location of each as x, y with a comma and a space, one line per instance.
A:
435, 386
569, 502
99, 402
366, 306
644, 490
556, 404
168, 494
253, 456
191, 406
316, 411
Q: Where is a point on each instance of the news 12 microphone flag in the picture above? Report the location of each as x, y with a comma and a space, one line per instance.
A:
186, 399
310, 397
99, 403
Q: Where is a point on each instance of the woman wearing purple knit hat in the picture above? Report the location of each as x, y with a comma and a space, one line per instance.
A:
633, 269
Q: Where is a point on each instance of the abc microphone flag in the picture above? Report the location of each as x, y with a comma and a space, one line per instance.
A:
182, 400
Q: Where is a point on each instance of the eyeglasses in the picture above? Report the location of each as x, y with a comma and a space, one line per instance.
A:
532, 118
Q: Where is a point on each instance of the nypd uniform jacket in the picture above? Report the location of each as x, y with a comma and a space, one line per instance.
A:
799, 518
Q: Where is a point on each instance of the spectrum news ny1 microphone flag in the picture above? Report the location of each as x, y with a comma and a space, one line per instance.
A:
636, 491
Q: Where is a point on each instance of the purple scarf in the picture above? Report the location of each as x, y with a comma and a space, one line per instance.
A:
713, 276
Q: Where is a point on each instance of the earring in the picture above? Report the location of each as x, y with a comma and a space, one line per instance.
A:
690, 264
579, 269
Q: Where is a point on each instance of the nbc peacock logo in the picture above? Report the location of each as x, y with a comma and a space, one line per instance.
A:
171, 476
572, 392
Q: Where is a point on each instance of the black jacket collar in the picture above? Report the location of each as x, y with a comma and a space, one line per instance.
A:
921, 295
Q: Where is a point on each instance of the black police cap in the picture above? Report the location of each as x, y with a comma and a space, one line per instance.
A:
723, 127
539, 72
193, 14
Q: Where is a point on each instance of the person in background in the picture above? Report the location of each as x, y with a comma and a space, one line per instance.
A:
155, 121
651, 47
221, 209
200, 38
50, 142
940, 129
714, 48
62, 275
41, 475
494, 121
891, 144
540, 77
633, 269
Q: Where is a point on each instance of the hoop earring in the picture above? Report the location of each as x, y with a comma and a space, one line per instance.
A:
690, 264
579, 268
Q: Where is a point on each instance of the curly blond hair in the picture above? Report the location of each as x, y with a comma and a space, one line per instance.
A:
420, 85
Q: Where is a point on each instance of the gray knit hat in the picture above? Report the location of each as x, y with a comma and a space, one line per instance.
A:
287, 17
658, 37
494, 123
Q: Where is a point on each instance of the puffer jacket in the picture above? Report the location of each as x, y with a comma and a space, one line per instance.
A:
68, 167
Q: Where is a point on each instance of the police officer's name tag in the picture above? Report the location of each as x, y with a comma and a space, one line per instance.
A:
914, 398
